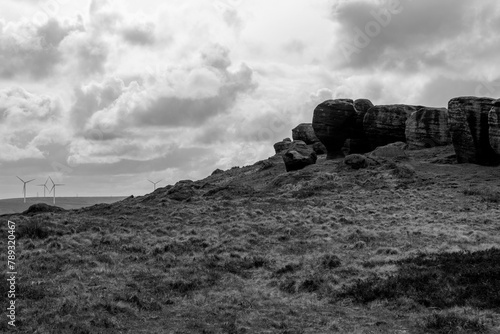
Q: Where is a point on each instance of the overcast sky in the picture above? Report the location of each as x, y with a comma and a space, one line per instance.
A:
102, 95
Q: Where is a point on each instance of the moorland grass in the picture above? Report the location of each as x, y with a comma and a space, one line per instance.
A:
437, 280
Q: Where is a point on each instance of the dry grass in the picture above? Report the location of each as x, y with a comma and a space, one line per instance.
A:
279, 257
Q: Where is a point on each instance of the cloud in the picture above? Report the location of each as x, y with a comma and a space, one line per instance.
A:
413, 35
140, 34
295, 46
29, 123
108, 16
27, 49
115, 120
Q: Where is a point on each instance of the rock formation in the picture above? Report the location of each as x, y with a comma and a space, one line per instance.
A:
494, 126
333, 121
298, 156
358, 142
283, 145
427, 127
468, 121
386, 124
305, 132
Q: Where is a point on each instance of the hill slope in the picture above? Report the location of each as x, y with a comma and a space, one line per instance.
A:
259, 250
16, 205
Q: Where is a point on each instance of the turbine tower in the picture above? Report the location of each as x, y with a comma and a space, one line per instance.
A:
54, 185
24, 186
44, 187
154, 184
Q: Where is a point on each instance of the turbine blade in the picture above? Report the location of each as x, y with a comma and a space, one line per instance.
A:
30, 180
20, 178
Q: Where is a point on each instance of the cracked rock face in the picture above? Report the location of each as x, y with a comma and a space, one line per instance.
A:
494, 126
305, 132
386, 124
427, 127
358, 142
282, 146
333, 121
468, 121
298, 156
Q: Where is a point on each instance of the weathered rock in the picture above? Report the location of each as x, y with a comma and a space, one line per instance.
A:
358, 142
283, 145
298, 156
357, 161
392, 151
494, 126
318, 148
333, 121
468, 121
386, 124
427, 127
305, 132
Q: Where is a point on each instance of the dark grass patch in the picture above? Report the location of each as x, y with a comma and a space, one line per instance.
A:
486, 195
315, 189
288, 285
33, 291
330, 261
437, 280
191, 245
452, 322
35, 228
288, 269
311, 284
234, 263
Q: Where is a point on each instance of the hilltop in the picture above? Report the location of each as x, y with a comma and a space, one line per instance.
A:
16, 205
256, 249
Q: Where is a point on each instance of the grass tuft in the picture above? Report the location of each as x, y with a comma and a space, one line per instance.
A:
453, 322
35, 228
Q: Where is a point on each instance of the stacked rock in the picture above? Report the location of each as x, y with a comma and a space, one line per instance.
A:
333, 122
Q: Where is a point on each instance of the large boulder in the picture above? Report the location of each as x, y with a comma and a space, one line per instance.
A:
358, 142
494, 126
427, 127
386, 124
305, 132
282, 146
468, 121
298, 156
333, 121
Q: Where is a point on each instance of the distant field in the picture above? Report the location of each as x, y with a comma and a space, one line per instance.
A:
16, 205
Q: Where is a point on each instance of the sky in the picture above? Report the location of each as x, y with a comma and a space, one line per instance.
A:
103, 95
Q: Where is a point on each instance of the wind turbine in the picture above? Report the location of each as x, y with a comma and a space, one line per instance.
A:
44, 187
24, 186
154, 184
54, 188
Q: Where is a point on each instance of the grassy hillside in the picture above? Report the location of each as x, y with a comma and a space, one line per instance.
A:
17, 205
408, 246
